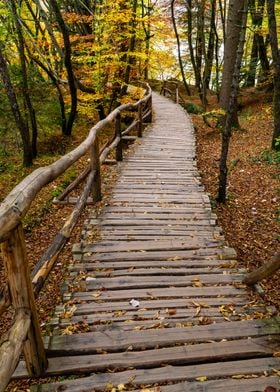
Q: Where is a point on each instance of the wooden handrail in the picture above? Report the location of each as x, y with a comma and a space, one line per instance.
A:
11, 344
14, 208
17, 203
174, 94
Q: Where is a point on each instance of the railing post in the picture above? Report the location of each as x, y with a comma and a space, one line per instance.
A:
177, 93
140, 120
150, 106
22, 297
118, 133
95, 166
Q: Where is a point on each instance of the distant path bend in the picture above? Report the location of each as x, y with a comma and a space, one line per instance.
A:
157, 298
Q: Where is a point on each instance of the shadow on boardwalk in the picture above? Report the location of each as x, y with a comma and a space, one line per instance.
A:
157, 300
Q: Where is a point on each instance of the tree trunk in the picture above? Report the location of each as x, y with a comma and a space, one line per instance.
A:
21, 124
265, 271
193, 61
25, 87
276, 66
230, 118
211, 46
68, 66
235, 16
179, 48
257, 19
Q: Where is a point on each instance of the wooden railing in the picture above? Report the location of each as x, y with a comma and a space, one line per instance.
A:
23, 286
170, 89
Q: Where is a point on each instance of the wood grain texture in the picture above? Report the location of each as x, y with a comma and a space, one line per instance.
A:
155, 297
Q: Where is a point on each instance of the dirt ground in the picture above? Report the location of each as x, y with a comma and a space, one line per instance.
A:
251, 217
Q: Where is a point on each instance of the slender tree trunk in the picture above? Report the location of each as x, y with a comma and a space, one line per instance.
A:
179, 48
21, 124
68, 66
25, 87
276, 66
222, 9
231, 109
211, 46
257, 19
148, 35
59, 91
234, 20
132, 44
193, 61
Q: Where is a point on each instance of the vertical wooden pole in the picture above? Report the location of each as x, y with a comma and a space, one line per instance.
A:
140, 120
22, 297
177, 93
150, 105
118, 133
95, 166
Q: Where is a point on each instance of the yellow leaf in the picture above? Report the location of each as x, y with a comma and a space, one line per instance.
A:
204, 378
238, 376
121, 387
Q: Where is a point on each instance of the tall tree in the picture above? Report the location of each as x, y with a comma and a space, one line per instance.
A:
179, 48
276, 75
68, 65
234, 25
258, 51
21, 123
24, 77
230, 116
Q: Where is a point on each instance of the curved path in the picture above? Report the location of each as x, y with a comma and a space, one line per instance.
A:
157, 299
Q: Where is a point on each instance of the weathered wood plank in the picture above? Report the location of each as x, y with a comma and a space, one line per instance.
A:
135, 282
91, 342
159, 303
163, 374
206, 254
167, 292
233, 385
180, 355
121, 246
175, 262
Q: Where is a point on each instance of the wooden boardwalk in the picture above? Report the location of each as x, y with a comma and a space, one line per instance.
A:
156, 303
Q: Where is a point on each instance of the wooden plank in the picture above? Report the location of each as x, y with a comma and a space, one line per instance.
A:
161, 304
135, 282
134, 270
167, 292
182, 355
183, 315
163, 374
206, 254
233, 385
91, 342
174, 262
122, 246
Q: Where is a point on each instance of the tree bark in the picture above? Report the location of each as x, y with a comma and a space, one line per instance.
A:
230, 117
265, 271
235, 16
276, 76
11, 345
68, 66
210, 49
179, 48
21, 124
25, 87
257, 19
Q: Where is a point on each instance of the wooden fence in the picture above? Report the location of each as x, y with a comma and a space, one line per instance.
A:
23, 286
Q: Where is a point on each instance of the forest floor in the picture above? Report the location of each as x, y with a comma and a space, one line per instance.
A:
250, 219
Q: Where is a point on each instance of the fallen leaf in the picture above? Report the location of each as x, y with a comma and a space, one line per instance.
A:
204, 378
